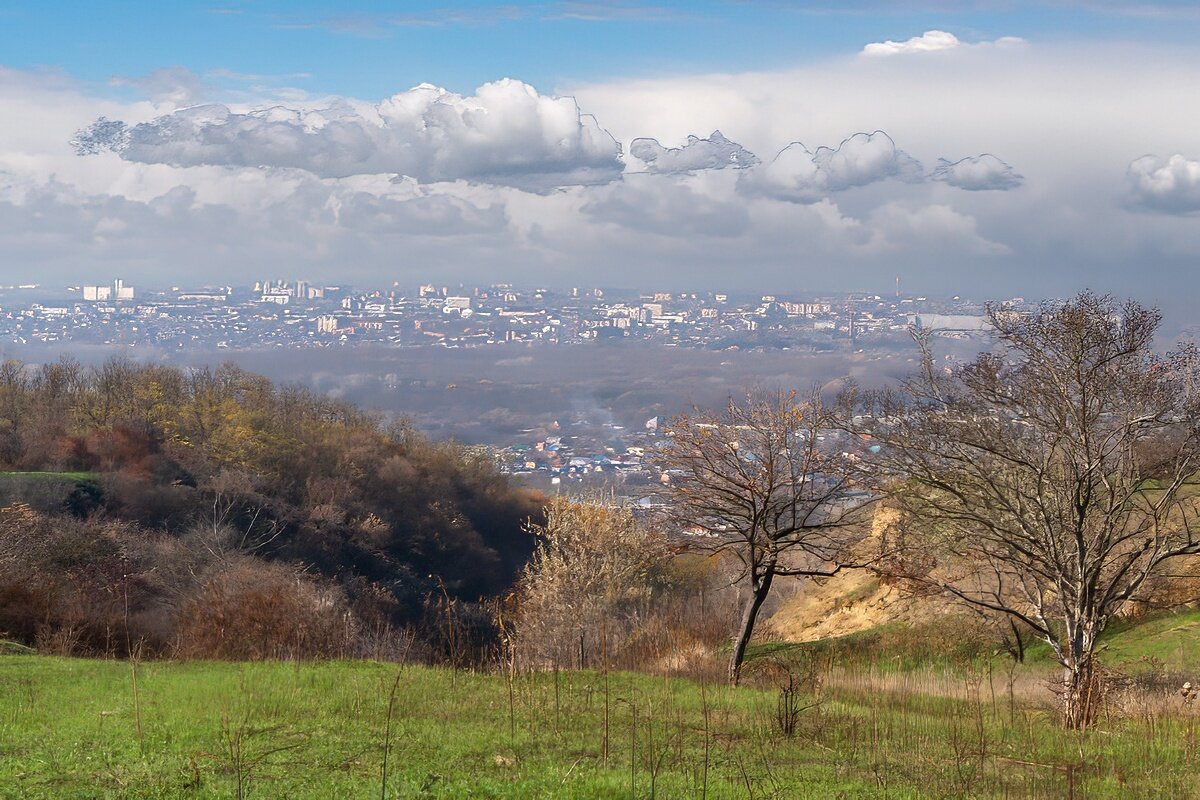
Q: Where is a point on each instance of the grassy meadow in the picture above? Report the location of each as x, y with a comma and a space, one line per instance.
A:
78, 728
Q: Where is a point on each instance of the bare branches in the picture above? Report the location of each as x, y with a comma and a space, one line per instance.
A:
1059, 466
773, 481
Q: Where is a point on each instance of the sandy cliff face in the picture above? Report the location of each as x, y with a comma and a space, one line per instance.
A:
850, 604
859, 600
853, 601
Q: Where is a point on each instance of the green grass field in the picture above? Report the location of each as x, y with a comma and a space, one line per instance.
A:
33, 477
85, 728
1172, 639
1168, 641
77, 492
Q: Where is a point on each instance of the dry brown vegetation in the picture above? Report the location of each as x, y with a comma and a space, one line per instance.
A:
602, 589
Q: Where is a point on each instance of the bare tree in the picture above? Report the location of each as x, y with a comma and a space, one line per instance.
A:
765, 481
1052, 476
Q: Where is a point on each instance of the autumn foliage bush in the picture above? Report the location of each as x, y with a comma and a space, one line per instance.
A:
604, 589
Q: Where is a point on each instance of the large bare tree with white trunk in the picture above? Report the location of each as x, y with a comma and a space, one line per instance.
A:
1053, 476
767, 480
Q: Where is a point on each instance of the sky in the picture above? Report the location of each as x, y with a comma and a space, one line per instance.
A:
988, 149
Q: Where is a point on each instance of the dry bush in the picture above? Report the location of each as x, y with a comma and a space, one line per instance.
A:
22, 604
589, 587
23, 600
204, 470
250, 610
78, 587
689, 620
457, 634
379, 636
96, 587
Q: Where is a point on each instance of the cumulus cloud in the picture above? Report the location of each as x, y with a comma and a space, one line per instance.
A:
505, 134
713, 152
932, 42
803, 176
800, 175
977, 173
1171, 186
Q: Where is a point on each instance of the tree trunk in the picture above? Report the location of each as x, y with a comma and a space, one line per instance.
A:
1018, 652
1080, 694
760, 588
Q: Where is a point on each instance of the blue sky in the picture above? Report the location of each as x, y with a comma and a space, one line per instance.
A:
371, 49
994, 148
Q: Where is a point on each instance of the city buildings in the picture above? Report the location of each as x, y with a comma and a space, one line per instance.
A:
283, 313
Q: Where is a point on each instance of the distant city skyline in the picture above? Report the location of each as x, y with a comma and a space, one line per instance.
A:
112, 288
992, 149
300, 314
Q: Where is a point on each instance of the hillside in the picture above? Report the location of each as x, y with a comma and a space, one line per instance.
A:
858, 603
210, 513
852, 602
858, 617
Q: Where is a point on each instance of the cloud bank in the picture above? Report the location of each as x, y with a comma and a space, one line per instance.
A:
505, 134
312, 187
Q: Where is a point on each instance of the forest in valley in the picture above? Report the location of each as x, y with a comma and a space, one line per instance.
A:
209, 513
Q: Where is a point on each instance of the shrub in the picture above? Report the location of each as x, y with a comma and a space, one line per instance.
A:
589, 585
252, 610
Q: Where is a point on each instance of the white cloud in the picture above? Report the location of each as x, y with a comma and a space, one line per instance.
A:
1169, 185
977, 173
932, 42
1067, 226
505, 134
803, 176
713, 152
928, 42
